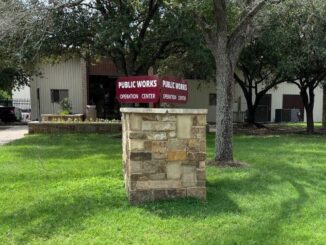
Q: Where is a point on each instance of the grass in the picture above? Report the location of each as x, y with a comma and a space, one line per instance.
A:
68, 189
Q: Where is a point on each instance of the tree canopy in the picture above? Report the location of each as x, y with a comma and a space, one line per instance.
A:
226, 26
15, 66
296, 36
133, 33
256, 73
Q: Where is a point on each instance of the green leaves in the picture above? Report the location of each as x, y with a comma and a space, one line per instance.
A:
295, 34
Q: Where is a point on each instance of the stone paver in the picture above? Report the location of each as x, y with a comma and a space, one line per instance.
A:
8, 134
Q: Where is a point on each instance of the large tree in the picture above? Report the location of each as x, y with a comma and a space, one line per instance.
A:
299, 39
195, 63
226, 25
15, 68
255, 73
134, 34
12, 73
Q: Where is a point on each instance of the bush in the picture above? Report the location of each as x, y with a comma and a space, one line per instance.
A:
4, 95
66, 107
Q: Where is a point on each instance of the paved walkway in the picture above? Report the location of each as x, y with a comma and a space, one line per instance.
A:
11, 133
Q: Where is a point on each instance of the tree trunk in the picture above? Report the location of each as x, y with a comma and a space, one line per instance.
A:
309, 102
251, 107
224, 110
251, 113
324, 107
226, 48
310, 120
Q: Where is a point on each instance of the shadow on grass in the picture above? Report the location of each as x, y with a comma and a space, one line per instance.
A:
221, 191
218, 202
65, 213
45, 218
272, 229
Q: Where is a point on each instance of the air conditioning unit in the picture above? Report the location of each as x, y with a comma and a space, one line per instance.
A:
287, 115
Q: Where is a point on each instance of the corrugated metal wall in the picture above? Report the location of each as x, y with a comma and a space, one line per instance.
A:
277, 99
72, 75
65, 75
199, 98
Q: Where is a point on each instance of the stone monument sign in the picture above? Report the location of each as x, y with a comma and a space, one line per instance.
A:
164, 153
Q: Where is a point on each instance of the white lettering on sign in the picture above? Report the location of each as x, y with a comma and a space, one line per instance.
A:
168, 84
138, 84
147, 84
148, 96
182, 98
128, 96
169, 96
181, 86
175, 85
130, 84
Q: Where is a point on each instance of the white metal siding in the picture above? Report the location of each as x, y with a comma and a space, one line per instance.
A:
65, 75
71, 75
21, 93
199, 98
277, 99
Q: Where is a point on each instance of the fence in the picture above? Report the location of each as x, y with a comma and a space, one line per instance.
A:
23, 104
5, 102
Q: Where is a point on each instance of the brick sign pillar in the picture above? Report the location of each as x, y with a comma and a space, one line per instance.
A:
164, 153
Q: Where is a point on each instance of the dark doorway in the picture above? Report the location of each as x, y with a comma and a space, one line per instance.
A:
291, 101
102, 94
264, 109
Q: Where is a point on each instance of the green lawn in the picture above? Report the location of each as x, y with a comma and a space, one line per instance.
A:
69, 190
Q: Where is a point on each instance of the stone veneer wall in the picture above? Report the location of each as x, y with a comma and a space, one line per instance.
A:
164, 153
71, 127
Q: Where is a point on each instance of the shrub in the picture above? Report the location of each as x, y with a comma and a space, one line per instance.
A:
66, 107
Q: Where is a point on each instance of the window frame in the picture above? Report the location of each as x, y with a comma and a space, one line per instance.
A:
57, 95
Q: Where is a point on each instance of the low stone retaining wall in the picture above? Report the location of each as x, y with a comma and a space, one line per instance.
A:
164, 153
55, 117
79, 127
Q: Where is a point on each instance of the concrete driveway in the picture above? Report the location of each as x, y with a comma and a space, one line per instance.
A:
11, 133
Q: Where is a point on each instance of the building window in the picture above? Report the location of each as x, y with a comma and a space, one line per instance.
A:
212, 99
57, 95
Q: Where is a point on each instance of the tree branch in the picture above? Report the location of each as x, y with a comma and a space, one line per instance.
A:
100, 7
152, 9
241, 83
154, 57
209, 34
242, 31
220, 15
248, 15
